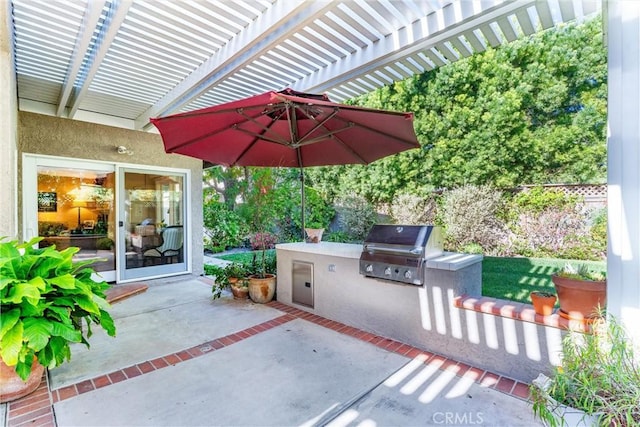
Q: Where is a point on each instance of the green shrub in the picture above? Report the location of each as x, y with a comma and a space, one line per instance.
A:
413, 210
223, 227
318, 212
472, 248
598, 234
538, 199
554, 232
469, 215
336, 236
356, 216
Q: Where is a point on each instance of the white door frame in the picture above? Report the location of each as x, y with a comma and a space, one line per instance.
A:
30, 163
129, 275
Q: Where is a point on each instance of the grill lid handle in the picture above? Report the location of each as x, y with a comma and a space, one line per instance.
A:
371, 248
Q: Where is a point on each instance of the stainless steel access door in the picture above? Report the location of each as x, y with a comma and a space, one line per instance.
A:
302, 274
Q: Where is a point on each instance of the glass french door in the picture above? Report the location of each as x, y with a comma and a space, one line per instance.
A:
151, 227
70, 203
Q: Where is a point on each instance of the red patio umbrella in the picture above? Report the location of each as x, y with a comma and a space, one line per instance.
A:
287, 129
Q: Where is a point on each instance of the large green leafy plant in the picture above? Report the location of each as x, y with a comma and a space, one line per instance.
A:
46, 297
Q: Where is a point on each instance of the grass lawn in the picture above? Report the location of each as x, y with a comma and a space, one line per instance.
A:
514, 278
244, 257
504, 278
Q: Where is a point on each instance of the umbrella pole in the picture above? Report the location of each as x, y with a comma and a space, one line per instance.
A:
302, 202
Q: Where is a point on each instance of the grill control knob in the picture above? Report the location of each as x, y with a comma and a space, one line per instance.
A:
407, 274
369, 268
387, 271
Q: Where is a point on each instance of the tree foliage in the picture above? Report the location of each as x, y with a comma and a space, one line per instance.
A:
529, 112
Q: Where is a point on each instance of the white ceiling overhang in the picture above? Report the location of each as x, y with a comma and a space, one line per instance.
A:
120, 62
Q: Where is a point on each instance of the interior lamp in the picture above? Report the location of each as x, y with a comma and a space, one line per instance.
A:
79, 204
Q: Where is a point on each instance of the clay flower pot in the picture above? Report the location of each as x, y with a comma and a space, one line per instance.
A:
543, 302
239, 292
11, 385
262, 290
314, 235
580, 299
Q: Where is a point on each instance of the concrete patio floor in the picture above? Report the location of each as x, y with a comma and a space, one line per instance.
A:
180, 358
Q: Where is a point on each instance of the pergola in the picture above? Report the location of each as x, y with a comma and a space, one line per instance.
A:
120, 62
131, 60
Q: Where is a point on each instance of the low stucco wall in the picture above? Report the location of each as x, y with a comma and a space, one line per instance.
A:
422, 316
54, 136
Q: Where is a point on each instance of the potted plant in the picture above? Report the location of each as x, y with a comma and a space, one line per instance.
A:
232, 276
48, 302
580, 290
543, 302
236, 275
262, 277
262, 282
597, 383
314, 231
318, 215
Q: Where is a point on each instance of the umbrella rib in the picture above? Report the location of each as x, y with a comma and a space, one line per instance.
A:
317, 126
206, 135
262, 137
278, 139
328, 135
346, 147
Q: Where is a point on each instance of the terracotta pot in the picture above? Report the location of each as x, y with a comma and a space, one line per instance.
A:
262, 290
314, 235
580, 299
239, 292
542, 303
11, 385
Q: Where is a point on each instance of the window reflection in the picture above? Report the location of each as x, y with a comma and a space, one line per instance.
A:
76, 208
153, 219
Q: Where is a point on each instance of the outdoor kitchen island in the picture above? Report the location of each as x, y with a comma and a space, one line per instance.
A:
324, 279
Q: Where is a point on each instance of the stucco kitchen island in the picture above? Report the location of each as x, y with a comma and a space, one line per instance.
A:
323, 279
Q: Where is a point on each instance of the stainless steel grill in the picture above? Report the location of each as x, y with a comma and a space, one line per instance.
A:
399, 252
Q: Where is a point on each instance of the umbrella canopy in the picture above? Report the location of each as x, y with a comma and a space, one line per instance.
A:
287, 129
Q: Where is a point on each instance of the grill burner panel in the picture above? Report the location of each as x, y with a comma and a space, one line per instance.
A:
398, 252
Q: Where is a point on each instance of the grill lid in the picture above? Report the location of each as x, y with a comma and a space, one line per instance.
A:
401, 239
398, 252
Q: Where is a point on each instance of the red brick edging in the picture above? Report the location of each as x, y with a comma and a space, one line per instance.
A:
37, 408
518, 311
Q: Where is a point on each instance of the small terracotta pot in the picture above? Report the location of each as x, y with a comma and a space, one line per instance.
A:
542, 303
314, 235
239, 292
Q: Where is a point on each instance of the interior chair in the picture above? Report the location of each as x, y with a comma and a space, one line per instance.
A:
171, 247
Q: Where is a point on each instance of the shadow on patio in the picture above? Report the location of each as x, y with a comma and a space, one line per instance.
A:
181, 359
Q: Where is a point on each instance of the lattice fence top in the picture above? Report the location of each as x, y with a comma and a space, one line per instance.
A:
593, 194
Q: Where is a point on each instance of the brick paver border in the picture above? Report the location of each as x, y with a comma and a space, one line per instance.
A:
37, 409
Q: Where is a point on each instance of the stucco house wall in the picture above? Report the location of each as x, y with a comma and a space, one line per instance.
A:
54, 136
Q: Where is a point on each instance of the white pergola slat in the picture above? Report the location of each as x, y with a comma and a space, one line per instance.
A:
136, 59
